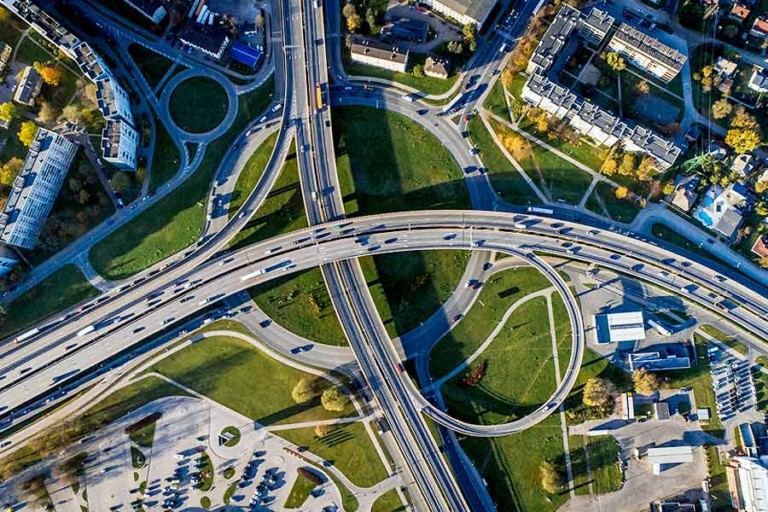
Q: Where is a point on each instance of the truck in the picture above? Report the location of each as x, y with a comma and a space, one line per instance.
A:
253, 274
86, 330
27, 335
319, 96
541, 211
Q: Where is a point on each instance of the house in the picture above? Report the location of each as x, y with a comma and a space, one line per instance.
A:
406, 29
693, 134
760, 247
759, 28
720, 209
684, 196
207, 39
743, 164
464, 12
379, 54
725, 86
5, 55
717, 151
739, 12
437, 67
647, 52
153, 10
751, 479
758, 82
29, 87
724, 67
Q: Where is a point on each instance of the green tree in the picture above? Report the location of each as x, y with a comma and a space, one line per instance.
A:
615, 61
334, 399
552, 480
418, 70
455, 47
303, 391
120, 182
372, 17
27, 133
349, 9
8, 112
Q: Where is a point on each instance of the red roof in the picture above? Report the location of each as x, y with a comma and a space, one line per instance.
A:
761, 246
761, 26
740, 11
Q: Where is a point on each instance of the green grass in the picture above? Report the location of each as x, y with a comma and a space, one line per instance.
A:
348, 447
281, 212
725, 339
761, 389
718, 481
30, 52
251, 173
166, 159
595, 461
408, 288
62, 289
205, 502
228, 472
229, 492
234, 432
300, 491
403, 167
151, 64
177, 221
425, 84
206, 472
495, 101
496, 296
522, 347
506, 181
593, 365
619, 209
388, 502
219, 368
138, 460
198, 104
145, 436
301, 304
563, 180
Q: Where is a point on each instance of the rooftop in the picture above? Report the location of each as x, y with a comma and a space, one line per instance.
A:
740, 11
598, 20
209, 38
554, 39
628, 326
378, 50
650, 46
670, 455
475, 9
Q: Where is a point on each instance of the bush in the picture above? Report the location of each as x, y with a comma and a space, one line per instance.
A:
310, 475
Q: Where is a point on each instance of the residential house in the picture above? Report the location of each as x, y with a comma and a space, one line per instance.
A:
739, 12
29, 87
724, 67
720, 209
758, 82
743, 165
760, 247
207, 39
647, 52
717, 151
684, 196
153, 10
379, 54
437, 67
760, 28
725, 86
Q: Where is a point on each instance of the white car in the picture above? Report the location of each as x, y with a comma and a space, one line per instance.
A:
277, 107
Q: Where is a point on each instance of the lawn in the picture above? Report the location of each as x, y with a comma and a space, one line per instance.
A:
725, 339
30, 52
595, 461
11, 28
495, 101
301, 304
62, 289
593, 365
761, 389
403, 167
222, 368
198, 104
388, 502
177, 221
506, 181
563, 180
496, 296
718, 481
166, 159
425, 84
145, 436
151, 64
252, 172
620, 210
300, 491
347, 446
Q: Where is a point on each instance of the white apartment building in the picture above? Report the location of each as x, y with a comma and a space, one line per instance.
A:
119, 143
379, 54
647, 52
463, 11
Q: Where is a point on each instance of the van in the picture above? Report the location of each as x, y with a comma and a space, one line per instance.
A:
408, 98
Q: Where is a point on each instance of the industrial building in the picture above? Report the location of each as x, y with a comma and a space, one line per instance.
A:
653, 362
671, 455
751, 475
35, 188
474, 12
620, 327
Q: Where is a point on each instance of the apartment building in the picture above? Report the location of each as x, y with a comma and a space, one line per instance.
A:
647, 52
35, 188
119, 143
595, 26
379, 54
474, 12
554, 39
29, 87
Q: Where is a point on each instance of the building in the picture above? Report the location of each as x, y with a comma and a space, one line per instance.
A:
620, 327
673, 506
245, 55
720, 209
112, 100
596, 25
154, 10
379, 54
759, 28
653, 362
672, 455
437, 67
685, 195
405, 29
739, 12
35, 188
29, 87
119, 143
751, 478
90, 63
474, 12
724, 67
5, 55
627, 401
760, 247
743, 165
567, 20
8, 259
661, 411
758, 82
647, 52
207, 39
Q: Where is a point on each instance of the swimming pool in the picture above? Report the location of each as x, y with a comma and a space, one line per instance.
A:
701, 214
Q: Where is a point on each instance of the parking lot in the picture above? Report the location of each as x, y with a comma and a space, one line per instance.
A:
732, 382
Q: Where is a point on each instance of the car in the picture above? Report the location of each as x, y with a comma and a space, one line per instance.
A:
264, 118
265, 323
473, 151
456, 318
277, 107
449, 236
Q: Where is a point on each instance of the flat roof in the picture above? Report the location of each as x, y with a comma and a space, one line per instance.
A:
650, 46
670, 455
556, 36
476, 9
628, 326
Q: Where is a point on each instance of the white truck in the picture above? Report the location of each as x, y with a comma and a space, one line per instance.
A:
86, 330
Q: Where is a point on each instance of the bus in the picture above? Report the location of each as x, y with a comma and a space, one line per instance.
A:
27, 335
319, 93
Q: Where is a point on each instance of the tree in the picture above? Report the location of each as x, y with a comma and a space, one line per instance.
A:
354, 22
259, 21
334, 399
73, 114
669, 187
455, 47
598, 392
743, 119
761, 186
27, 133
469, 30
645, 382
627, 166
120, 182
4, 14
349, 9
551, 479
615, 61
647, 168
763, 262
372, 17
8, 112
622, 192
742, 140
10, 170
643, 87
731, 31
721, 108
47, 113
418, 70
609, 166
303, 391
707, 71
506, 77
51, 75
761, 208
322, 430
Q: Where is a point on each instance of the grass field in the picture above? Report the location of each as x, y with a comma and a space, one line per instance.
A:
145, 436
496, 296
299, 492
495, 101
30, 52
166, 160
151, 64
593, 365
718, 481
348, 447
251, 173
726, 340
198, 104
403, 167
388, 502
424, 84
10, 29
62, 289
301, 304
506, 181
177, 221
221, 368
595, 460
563, 180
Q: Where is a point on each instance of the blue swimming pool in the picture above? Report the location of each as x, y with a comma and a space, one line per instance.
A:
704, 218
